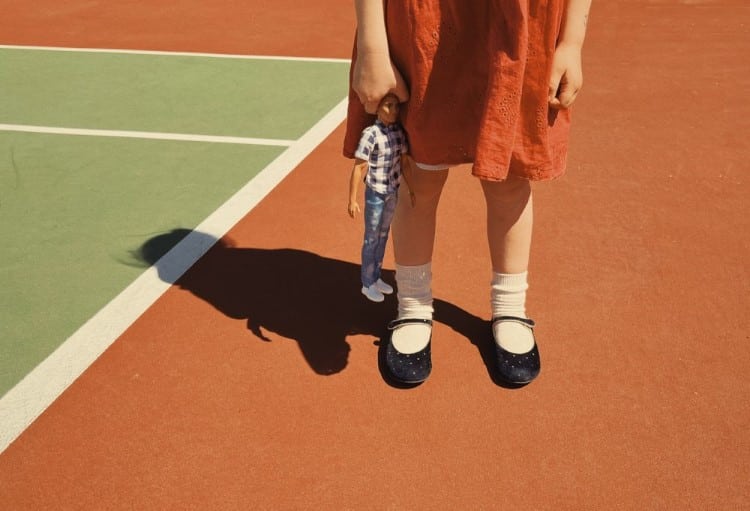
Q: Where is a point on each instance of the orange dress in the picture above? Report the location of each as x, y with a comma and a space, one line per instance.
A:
478, 74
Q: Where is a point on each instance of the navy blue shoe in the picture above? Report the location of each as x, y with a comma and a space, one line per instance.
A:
409, 368
514, 368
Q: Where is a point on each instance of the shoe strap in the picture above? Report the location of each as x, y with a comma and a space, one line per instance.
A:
396, 323
514, 319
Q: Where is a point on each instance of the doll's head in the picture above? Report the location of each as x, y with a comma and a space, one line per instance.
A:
388, 109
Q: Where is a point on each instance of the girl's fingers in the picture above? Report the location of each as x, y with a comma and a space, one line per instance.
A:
401, 90
554, 85
566, 78
369, 100
567, 92
567, 97
565, 100
371, 107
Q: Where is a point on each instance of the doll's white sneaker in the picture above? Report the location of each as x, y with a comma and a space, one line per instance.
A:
383, 287
372, 293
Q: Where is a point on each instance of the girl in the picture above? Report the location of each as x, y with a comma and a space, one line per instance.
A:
487, 83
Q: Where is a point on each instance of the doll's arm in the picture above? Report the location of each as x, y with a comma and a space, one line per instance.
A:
360, 167
407, 170
374, 74
567, 75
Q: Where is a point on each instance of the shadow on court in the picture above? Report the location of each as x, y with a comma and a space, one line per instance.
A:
299, 295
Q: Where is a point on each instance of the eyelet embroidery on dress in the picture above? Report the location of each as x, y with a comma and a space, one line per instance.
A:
541, 116
508, 113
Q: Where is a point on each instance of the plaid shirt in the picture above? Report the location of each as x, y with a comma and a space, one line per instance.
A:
381, 146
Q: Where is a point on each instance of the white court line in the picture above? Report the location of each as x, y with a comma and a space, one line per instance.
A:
145, 134
39, 389
171, 53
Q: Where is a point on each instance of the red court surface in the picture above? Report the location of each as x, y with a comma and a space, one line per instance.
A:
260, 27
254, 383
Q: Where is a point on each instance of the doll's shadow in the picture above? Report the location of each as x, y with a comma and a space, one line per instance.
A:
296, 294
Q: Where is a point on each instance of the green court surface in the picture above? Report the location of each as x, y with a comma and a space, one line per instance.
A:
74, 208
163, 93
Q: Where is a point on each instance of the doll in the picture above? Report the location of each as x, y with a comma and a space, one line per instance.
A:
381, 159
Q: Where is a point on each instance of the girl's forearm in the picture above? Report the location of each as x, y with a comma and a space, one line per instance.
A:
371, 34
575, 19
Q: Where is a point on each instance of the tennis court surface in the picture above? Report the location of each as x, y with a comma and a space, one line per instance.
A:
180, 319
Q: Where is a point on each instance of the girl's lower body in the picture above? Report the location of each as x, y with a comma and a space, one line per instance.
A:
379, 212
509, 228
478, 75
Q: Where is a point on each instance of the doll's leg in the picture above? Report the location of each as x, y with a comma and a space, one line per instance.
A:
374, 207
413, 241
389, 209
509, 227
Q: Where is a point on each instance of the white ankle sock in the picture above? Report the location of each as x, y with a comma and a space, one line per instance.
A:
414, 301
508, 298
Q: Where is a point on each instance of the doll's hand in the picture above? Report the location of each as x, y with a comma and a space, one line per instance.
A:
567, 77
374, 76
353, 209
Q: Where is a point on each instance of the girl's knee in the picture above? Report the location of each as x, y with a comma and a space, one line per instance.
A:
511, 191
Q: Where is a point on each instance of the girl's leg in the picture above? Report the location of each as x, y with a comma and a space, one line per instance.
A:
509, 227
413, 242
414, 227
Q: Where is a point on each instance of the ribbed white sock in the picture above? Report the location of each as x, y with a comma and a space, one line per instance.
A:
508, 298
414, 301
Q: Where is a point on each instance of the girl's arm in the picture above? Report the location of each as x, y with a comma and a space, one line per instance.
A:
574, 23
567, 75
374, 75
360, 167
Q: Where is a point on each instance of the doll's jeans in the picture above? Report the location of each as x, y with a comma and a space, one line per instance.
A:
379, 210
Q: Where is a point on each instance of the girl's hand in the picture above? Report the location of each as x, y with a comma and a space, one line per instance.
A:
375, 76
567, 76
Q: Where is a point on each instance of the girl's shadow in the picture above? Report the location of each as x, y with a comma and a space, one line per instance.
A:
298, 295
